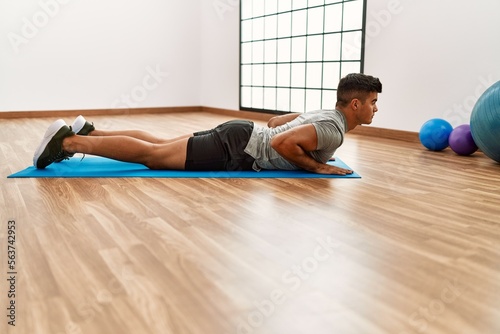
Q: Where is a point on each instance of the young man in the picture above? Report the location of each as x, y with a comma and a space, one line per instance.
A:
291, 141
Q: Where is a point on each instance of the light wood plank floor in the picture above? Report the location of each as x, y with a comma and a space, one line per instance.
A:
412, 247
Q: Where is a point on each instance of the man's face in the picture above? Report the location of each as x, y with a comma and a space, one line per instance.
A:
367, 109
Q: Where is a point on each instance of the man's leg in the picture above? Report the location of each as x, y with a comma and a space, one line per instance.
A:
138, 134
82, 127
155, 156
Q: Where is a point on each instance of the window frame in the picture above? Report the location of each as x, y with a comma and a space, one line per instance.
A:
305, 89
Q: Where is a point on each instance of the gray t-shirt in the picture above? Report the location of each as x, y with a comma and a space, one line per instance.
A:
330, 125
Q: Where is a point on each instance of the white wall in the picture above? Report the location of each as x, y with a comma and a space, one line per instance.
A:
75, 54
434, 58
220, 38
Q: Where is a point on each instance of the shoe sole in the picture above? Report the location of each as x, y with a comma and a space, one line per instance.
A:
78, 124
49, 134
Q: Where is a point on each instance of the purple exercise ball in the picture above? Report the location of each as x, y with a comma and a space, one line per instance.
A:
461, 141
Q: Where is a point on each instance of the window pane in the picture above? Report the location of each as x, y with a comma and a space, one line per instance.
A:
258, 52
271, 6
284, 24
283, 99
351, 46
271, 27
299, 49
246, 75
270, 51
246, 30
246, 53
297, 100
298, 4
298, 75
299, 23
315, 48
258, 98
331, 74
313, 99
353, 15
246, 9
314, 75
350, 67
284, 54
270, 75
246, 96
332, 47
283, 76
284, 5
258, 75
329, 99
270, 98
333, 18
315, 21
258, 8
313, 3
258, 29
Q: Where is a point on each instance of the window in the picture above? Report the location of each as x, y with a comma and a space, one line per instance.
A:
294, 52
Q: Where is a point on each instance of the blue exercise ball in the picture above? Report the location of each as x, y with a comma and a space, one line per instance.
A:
485, 122
434, 134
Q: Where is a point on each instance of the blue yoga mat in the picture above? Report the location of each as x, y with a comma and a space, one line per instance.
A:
97, 167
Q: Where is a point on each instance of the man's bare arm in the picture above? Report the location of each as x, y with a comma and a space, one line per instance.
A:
294, 145
282, 119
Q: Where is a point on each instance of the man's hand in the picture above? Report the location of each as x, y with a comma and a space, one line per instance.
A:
329, 169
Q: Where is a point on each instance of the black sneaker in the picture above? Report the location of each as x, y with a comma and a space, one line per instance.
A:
50, 150
81, 127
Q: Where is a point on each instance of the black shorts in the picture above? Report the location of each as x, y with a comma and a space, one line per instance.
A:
220, 149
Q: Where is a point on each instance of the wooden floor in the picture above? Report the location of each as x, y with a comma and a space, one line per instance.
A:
412, 247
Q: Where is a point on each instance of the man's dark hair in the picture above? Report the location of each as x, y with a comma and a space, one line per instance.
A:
356, 86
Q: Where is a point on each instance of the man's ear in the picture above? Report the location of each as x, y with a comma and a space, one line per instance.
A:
355, 104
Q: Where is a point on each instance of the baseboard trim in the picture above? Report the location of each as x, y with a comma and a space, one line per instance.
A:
96, 112
360, 130
386, 133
